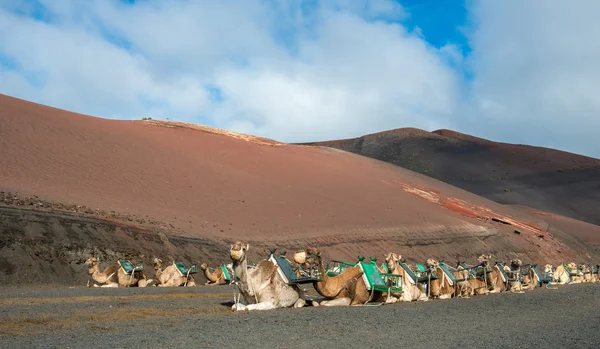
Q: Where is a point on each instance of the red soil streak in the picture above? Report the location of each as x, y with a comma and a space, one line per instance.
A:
470, 210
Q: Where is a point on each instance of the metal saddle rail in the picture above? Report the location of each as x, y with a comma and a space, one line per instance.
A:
449, 272
185, 271
505, 275
417, 276
569, 270
377, 281
129, 268
335, 267
544, 278
287, 272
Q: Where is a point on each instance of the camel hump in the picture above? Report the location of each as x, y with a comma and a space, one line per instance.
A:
266, 266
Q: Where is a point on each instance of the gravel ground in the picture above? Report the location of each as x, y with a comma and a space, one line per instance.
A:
567, 317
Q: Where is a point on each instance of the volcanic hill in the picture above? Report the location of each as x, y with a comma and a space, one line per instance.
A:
544, 179
73, 185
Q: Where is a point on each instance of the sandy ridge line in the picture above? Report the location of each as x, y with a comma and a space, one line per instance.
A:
20, 301
214, 130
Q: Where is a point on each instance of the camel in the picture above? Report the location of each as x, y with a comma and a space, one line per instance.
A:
587, 272
561, 275
261, 287
170, 276
514, 272
411, 289
444, 287
346, 288
495, 282
477, 284
531, 279
216, 277
114, 276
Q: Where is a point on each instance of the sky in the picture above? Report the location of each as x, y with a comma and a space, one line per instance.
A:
514, 71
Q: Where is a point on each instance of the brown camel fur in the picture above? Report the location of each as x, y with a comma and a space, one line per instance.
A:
261, 287
514, 271
561, 275
494, 277
347, 288
216, 277
411, 289
444, 287
114, 276
476, 285
170, 276
531, 280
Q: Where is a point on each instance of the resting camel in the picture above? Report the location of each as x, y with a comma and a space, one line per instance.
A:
114, 276
514, 271
444, 287
588, 275
411, 289
531, 280
262, 286
170, 276
346, 288
476, 284
495, 282
216, 277
562, 276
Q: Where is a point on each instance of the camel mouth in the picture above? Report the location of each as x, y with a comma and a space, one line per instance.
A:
236, 255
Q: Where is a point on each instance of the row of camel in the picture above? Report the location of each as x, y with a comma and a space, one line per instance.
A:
113, 275
261, 287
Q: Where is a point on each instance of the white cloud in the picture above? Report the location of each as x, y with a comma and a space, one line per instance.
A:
297, 73
536, 73
287, 72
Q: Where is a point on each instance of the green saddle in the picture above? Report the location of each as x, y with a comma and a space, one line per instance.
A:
226, 273
375, 280
129, 268
185, 271
287, 272
335, 268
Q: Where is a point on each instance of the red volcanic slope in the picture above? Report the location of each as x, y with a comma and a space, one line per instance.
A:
546, 179
217, 184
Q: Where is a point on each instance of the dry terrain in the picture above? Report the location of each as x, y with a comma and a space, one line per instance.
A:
545, 179
201, 317
73, 185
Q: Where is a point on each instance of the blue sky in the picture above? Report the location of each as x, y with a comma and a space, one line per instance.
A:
520, 72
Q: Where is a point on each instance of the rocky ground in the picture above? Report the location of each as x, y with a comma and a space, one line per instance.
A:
45, 317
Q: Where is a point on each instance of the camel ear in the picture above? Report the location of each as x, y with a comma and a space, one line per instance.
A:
247, 247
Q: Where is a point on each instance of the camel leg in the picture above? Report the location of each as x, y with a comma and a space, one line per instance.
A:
261, 306
336, 302
299, 303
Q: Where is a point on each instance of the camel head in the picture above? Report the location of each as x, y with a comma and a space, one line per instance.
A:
548, 268
432, 263
157, 263
391, 260
484, 259
92, 262
572, 265
238, 251
516, 264
306, 256
203, 266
